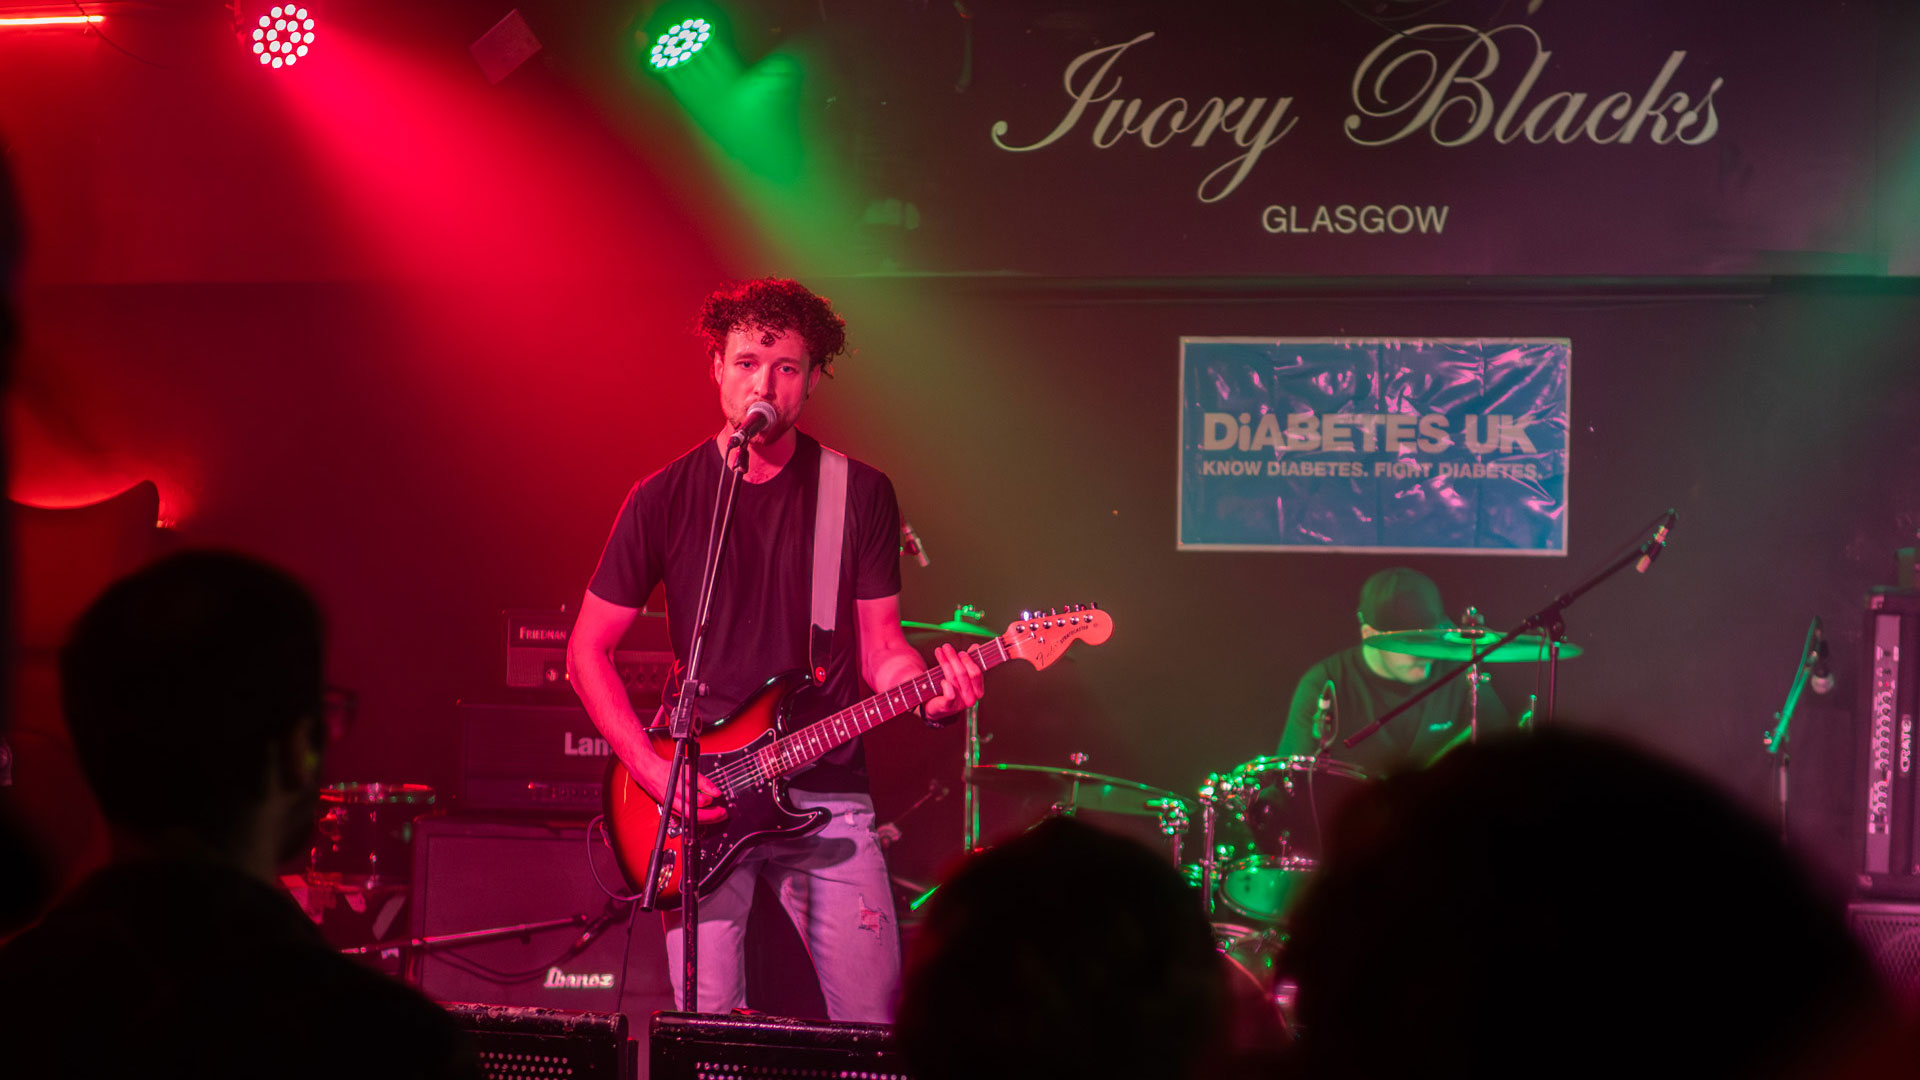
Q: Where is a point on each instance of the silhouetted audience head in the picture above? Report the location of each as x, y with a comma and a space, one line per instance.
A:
193, 690
1566, 905
1067, 951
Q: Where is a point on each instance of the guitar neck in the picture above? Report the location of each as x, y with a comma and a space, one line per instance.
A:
807, 745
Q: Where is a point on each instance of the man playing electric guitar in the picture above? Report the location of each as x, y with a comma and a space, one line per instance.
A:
769, 341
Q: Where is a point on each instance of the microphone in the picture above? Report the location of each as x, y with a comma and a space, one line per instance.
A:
910, 540
1320, 711
759, 415
1821, 681
612, 913
1658, 544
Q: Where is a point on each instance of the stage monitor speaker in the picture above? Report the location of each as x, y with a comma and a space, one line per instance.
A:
516, 1042
699, 1046
472, 874
1891, 935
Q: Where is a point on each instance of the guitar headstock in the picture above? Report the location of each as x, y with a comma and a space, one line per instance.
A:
1039, 637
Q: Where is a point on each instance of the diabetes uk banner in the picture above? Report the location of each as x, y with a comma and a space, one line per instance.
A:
1426, 446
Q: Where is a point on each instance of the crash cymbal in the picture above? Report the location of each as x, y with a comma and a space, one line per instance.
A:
1457, 644
1107, 794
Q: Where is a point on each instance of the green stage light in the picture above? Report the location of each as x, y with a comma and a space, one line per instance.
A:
679, 44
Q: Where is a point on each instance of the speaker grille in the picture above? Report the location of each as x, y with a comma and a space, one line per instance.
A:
1891, 935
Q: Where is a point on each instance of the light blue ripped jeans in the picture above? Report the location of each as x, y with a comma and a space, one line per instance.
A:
834, 887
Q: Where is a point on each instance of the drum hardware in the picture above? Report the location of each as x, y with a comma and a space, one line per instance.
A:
1173, 823
364, 837
1209, 836
965, 623
1549, 621
1261, 827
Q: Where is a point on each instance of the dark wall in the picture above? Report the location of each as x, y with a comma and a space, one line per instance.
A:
1031, 432
1779, 422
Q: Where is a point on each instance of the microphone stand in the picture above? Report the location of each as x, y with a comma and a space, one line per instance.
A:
1776, 740
684, 727
1549, 620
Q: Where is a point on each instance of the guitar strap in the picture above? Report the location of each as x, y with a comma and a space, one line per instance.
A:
829, 538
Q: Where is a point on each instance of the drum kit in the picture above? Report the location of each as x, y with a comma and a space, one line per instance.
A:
1261, 825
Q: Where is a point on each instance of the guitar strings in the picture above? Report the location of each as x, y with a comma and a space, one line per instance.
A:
756, 768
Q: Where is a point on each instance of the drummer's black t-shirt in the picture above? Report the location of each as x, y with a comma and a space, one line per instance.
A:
1411, 741
762, 602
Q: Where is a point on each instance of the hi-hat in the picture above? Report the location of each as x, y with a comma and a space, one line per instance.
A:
1459, 644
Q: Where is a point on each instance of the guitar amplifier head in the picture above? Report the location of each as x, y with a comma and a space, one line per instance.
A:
536, 653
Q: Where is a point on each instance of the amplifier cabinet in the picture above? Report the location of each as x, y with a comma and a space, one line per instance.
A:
474, 874
1890, 933
701, 1046
1887, 807
530, 757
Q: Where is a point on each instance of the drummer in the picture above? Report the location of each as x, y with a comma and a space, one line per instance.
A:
1368, 681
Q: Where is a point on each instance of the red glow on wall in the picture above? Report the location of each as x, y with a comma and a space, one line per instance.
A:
532, 241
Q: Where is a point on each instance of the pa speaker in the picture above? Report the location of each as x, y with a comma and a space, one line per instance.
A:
1891, 935
700, 1046
474, 875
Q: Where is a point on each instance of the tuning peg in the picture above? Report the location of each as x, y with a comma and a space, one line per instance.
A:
1025, 615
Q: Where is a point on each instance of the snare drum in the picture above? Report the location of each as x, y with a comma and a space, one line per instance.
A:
365, 835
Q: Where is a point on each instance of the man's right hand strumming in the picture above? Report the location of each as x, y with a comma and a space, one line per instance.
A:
652, 778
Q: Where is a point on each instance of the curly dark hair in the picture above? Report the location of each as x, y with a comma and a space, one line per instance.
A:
773, 306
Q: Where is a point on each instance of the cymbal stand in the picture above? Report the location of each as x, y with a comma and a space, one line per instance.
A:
970, 810
1209, 862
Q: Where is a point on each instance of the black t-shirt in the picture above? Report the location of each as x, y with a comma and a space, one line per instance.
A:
1411, 740
177, 969
762, 598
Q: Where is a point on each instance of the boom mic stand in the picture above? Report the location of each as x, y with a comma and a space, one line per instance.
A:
684, 728
1549, 620
1776, 740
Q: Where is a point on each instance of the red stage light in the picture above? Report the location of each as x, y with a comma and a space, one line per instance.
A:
283, 36
51, 20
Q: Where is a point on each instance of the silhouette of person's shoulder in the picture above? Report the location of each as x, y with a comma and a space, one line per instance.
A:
184, 968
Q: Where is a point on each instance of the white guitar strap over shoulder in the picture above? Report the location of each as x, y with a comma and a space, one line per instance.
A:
829, 538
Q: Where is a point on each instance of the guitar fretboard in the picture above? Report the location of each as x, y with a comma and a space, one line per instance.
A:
807, 745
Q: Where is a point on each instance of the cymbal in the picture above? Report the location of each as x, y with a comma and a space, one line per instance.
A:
955, 627
1097, 791
1456, 644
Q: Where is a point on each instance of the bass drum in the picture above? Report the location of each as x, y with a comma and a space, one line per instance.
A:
1264, 887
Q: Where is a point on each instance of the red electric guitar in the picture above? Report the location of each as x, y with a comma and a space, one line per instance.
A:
749, 754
